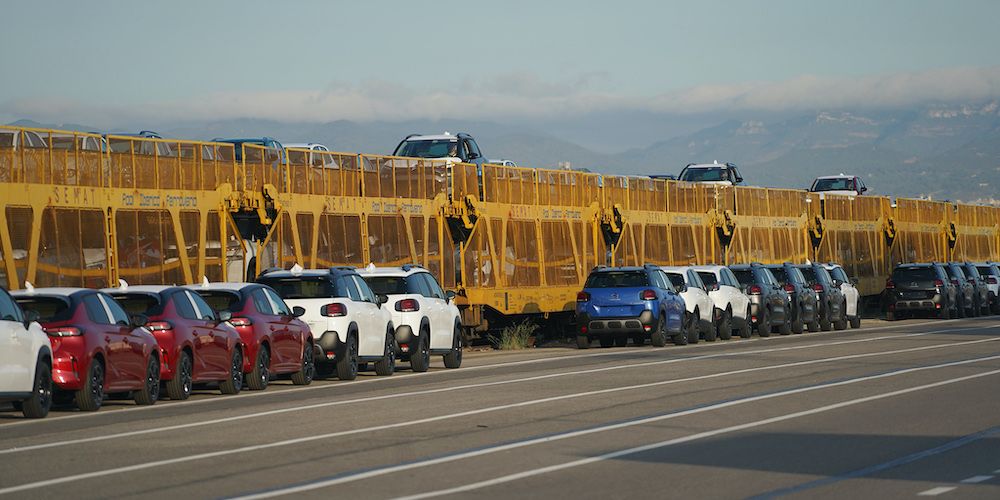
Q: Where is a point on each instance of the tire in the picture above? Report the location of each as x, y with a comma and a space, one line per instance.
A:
764, 323
234, 383
785, 328
891, 316
725, 327
710, 330
150, 390
745, 330
179, 388
945, 313
693, 330
798, 326
658, 337
841, 324
621, 340
387, 365
91, 395
582, 342
37, 406
307, 371
421, 359
347, 366
453, 359
259, 377
824, 320
856, 321
606, 341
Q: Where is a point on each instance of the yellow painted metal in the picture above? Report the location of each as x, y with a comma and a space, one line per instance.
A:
83, 210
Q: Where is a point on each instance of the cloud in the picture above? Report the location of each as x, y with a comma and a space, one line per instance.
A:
526, 96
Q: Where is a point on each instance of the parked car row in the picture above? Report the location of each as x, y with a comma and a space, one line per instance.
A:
79, 345
685, 304
943, 289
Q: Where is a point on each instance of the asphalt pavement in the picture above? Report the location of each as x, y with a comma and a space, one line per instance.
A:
908, 409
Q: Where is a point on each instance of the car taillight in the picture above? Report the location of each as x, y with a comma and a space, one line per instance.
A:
755, 289
582, 296
240, 321
818, 287
407, 305
334, 310
790, 288
889, 285
157, 326
941, 283
647, 295
64, 331
991, 280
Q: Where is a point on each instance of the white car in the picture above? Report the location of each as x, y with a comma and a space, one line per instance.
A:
723, 174
25, 360
341, 310
700, 307
843, 184
851, 294
316, 160
426, 318
991, 273
728, 296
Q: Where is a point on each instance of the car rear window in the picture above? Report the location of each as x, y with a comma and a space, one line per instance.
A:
318, 287
914, 274
985, 271
708, 278
617, 279
676, 280
744, 276
137, 303
220, 300
779, 274
389, 285
48, 308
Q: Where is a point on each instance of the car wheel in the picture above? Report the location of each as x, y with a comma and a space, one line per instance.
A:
813, 325
179, 388
891, 316
945, 313
745, 330
764, 323
37, 406
785, 328
347, 365
260, 375
453, 359
725, 328
693, 329
234, 383
387, 364
307, 371
711, 328
421, 359
856, 321
639, 339
658, 337
91, 395
798, 326
582, 342
824, 320
606, 341
150, 390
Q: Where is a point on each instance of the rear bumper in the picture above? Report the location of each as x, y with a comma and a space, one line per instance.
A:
645, 322
328, 347
927, 304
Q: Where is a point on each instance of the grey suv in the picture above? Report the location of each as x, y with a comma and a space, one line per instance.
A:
832, 305
769, 304
915, 288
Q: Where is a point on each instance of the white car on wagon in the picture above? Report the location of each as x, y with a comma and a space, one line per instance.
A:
700, 307
25, 360
728, 296
426, 318
348, 321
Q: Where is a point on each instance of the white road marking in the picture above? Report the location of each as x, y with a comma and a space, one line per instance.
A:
672, 442
933, 492
245, 395
121, 435
485, 451
976, 479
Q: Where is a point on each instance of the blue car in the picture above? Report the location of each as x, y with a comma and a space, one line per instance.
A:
618, 303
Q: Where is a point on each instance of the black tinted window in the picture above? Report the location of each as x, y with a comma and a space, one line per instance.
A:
914, 274
390, 285
118, 315
95, 310
432, 285
260, 302
48, 308
956, 273
617, 279
779, 274
137, 303
708, 278
744, 276
204, 310
808, 273
676, 280
309, 287
8, 309
183, 306
221, 300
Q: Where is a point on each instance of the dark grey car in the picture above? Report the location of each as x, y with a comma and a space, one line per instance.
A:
832, 306
968, 298
915, 288
802, 296
769, 304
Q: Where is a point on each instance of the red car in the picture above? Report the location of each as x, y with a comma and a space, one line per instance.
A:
276, 341
197, 344
96, 347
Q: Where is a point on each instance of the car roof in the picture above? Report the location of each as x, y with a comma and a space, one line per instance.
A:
302, 145
616, 269
51, 291
441, 137
405, 270
140, 289
709, 267
707, 165
308, 272
228, 286
676, 269
841, 176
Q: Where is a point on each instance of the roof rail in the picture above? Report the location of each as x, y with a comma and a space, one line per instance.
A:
270, 270
343, 268
407, 267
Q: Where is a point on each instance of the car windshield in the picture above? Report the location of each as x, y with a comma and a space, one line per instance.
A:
617, 279
708, 278
48, 308
914, 274
677, 280
705, 174
220, 300
312, 287
137, 303
839, 184
744, 276
429, 148
387, 285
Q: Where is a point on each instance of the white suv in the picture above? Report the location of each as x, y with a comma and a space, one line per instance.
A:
700, 308
426, 318
26, 358
346, 318
728, 296
850, 290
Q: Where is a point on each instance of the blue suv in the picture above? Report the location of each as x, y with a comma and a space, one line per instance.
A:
617, 303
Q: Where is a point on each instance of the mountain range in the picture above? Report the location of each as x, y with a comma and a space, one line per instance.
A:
941, 151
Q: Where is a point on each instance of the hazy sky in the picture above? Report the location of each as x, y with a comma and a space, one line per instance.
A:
319, 61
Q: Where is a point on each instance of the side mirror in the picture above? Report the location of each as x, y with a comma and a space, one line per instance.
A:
298, 311
449, 296
683, 288
864, 188
854, 281
381, 299
739, 179
30, 316
138, 320
224, 316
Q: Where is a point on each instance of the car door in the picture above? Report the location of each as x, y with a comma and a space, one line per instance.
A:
705, 304
290, 339
212, 340
16, 357
441, 325
122, 367
274, 326
372, 343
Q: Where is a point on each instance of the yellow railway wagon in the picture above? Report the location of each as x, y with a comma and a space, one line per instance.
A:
856, 233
